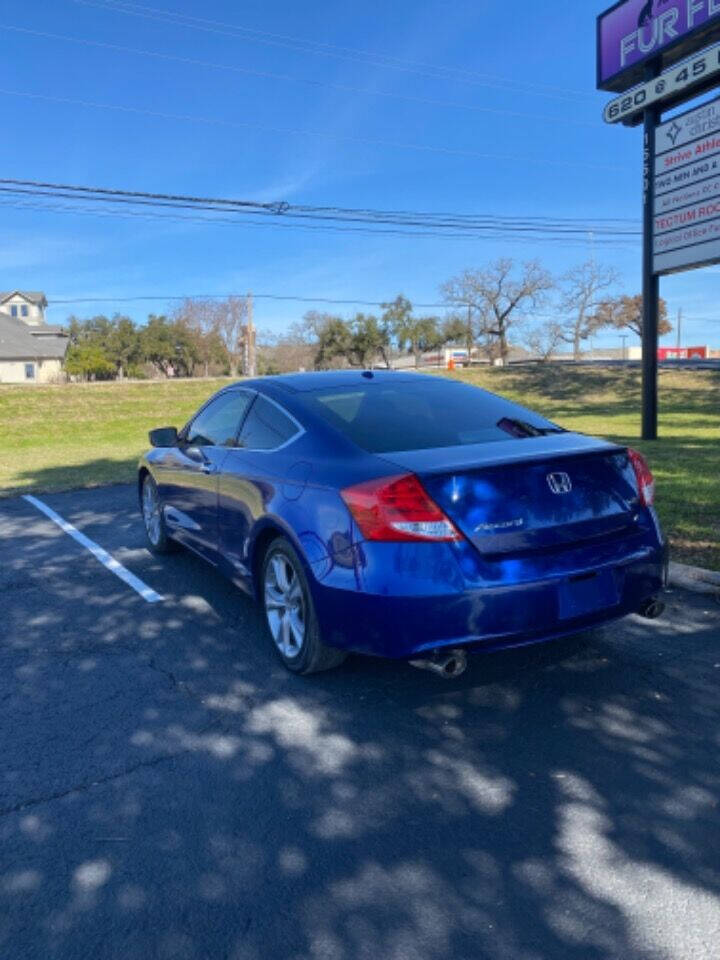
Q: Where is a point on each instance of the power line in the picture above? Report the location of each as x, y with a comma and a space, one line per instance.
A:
286, 209
294, 214
358, 302
367, 58
569, 242
264, 74
299, 131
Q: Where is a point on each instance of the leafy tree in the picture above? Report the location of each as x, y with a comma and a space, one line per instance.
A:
118, 338
627, 313
334, 341
495, 297
88, 361
359, 341
169, 346
369, 339
416, 334
312, 326
123, 344
582, 290
95, 329
74, 329
458, 329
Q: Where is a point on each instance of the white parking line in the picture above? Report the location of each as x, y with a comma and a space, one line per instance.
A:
102, 555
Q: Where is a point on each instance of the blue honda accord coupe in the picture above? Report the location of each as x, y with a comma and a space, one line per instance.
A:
405, 516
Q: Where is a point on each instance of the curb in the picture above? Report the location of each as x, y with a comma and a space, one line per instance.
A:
696, 579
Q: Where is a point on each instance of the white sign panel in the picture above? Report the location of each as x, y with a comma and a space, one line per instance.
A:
700, 122
692, 191
686, 229
690, 175
670, 85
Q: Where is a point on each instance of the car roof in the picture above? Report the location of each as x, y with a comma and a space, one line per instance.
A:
325, 379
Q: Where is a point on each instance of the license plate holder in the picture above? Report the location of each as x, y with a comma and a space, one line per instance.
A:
586, 593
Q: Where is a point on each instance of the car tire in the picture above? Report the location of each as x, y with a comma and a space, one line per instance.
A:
158, 539
289, 612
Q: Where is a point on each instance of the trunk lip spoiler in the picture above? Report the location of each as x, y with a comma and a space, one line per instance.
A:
481, 456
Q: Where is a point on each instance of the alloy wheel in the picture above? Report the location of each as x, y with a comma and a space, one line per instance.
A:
285, 606
151, 512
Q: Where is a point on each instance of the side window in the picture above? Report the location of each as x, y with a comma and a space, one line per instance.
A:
23, 310
267, 427
13, 310
217, 425
29, 371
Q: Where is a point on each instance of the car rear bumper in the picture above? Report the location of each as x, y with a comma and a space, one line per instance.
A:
489, 616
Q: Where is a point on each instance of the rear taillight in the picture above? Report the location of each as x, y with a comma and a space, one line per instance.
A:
399, 509
645, 479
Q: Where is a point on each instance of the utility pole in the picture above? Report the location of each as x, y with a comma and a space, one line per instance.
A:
591, 238
250, 338
679, 328
623, 337
469, 335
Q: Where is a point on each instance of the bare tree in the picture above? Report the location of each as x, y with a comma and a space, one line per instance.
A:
583, 289
496, 296
627, 313
230, 324
198, 316
285, 352
544, 339
312, 325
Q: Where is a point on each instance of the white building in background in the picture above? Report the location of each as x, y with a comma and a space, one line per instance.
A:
25, 305
31, 351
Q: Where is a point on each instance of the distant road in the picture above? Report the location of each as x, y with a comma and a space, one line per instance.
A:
663, 364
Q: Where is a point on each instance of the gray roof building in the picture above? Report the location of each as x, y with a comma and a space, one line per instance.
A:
19, 341
34, 296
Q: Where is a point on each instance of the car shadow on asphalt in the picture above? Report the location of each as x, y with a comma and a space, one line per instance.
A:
168, 790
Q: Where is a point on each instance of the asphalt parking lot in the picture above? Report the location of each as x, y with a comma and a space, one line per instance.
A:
168, 791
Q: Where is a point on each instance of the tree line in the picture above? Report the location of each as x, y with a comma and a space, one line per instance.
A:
488, 311
200, 338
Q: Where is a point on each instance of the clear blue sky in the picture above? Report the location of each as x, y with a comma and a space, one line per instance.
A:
519, 132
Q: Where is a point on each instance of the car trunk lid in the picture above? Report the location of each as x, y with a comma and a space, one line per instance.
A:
523, 495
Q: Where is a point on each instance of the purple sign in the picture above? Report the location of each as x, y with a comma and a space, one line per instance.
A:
635, 31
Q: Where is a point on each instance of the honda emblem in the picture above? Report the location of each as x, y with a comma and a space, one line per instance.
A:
559, 482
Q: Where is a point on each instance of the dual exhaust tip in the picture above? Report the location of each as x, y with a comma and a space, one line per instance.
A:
448, 664
453, 663
652, 608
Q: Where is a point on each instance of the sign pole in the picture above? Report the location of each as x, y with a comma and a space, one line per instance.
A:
650, 280
636, 42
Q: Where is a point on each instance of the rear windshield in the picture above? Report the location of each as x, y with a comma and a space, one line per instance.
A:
385, 417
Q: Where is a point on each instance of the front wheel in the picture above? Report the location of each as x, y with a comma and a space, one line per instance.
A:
290, 613
153, 519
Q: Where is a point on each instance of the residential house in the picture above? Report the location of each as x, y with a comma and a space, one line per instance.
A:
24, 305
31, 351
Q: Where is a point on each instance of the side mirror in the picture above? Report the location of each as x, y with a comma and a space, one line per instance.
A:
164, 437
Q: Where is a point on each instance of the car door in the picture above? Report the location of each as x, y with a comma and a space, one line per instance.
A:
189, 473
249, 478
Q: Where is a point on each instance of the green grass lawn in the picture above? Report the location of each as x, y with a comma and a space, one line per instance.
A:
60, 437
